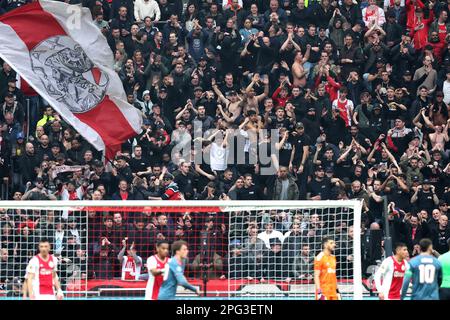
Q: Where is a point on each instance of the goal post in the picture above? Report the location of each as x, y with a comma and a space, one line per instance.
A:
238, 249
273, 245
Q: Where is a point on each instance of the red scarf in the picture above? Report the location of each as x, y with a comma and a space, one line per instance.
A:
124, 195
372, 12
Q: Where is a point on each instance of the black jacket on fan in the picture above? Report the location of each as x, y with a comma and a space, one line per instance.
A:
8, 5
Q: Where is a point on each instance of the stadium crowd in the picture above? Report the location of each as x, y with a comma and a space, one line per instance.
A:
280, 100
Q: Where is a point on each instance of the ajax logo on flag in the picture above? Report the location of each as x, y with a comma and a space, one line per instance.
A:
68, 75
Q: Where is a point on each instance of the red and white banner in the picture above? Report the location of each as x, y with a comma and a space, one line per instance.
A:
59, 51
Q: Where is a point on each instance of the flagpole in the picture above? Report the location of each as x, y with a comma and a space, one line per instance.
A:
28, 119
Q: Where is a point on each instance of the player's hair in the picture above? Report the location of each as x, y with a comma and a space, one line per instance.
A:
422, 87
270, 221
42, 240
177, 245
168, 177
343, 89
325, 240
139, 220
399, 245
160, 242
425, 244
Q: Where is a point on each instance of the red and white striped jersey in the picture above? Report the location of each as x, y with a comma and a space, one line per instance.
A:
389, 278
345, 109
43, 274
154, 282
130, 269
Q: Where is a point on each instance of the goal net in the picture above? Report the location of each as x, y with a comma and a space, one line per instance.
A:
237, 249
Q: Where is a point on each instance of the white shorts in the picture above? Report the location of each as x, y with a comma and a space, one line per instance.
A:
45, 297
148, 294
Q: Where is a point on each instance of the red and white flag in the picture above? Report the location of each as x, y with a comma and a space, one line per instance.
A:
59, 51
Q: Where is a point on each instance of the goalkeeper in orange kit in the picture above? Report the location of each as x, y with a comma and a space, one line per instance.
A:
325, 272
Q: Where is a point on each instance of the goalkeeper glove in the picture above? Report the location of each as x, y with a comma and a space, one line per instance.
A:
320, 296
338, 294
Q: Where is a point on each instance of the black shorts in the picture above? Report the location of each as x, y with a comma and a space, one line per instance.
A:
444, 293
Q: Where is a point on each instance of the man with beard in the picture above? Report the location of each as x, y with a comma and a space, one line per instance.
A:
325, 272
441, 26
436, 45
